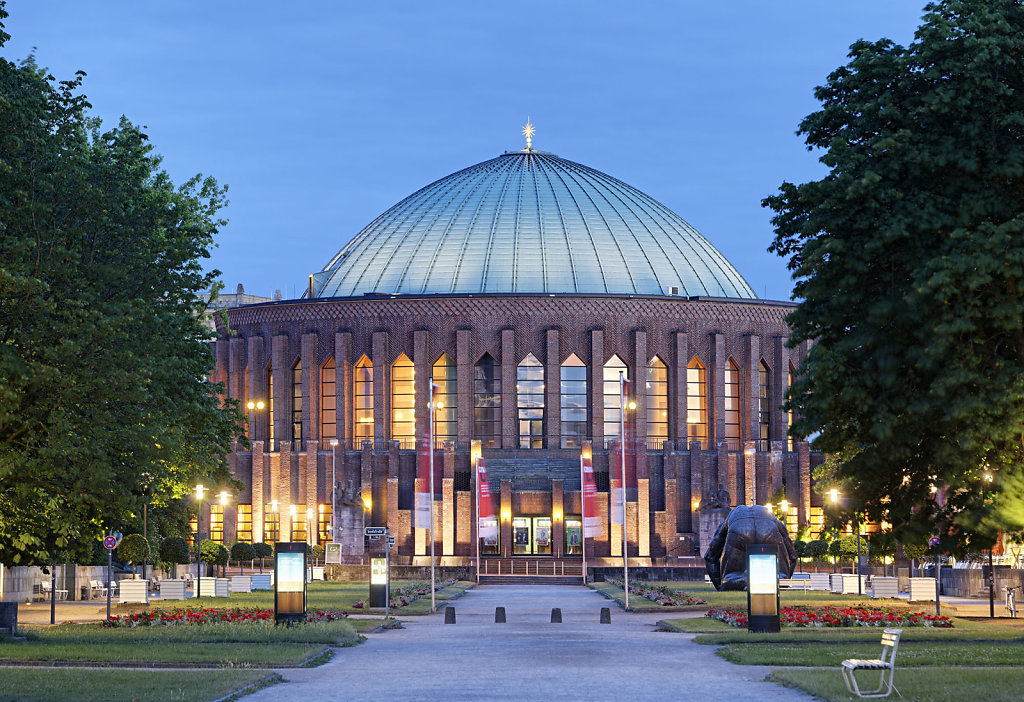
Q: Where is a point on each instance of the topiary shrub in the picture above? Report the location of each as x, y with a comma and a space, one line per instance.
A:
243, 552
263, 551
317, 553
174, 551
133, 549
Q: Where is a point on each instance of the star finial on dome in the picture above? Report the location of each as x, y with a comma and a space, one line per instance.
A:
528, 132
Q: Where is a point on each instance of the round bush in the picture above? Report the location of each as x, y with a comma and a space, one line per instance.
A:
263, 550
243, 552
133, 549
174, 550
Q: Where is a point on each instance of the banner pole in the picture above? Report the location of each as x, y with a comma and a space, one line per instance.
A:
622, 454
430, 492
476, 499
583, 518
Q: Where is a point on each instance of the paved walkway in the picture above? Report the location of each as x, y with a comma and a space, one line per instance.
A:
528, 658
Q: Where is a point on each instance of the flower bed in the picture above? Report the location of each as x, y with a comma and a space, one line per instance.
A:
400, 597
662, 595
807, 617
183, 616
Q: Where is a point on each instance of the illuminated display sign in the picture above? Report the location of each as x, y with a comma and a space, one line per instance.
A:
763, 588
378, 571
764, 574
289, 582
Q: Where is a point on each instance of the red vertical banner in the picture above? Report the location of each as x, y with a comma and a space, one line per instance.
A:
591, 519
488, 526
627, 436
423, 484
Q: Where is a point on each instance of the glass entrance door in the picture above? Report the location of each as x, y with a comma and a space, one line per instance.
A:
542, 536
573, 536
521, 535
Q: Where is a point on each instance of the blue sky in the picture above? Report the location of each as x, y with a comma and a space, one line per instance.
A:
321, 115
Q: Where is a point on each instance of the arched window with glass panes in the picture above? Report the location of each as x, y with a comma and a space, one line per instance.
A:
445, 395
574, 402
530, 402
657, 404
362, 415
328, 402
403, 402
732, 405
697, 402
764, 409
613, 370
487, 402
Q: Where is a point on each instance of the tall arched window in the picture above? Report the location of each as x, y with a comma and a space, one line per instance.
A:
764, 401
789, 414
574, 402
297, 402
530, 399
445, 417
697, 402
403, 402
612, 400
328, 403
363, 409
487, 402
270, 406
657, 403
732, 405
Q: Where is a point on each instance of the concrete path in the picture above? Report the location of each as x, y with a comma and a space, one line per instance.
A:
528, 658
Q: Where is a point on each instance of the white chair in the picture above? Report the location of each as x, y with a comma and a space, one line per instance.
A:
887, 663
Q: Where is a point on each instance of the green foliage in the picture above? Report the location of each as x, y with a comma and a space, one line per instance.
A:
916, 551
848, 546
317, 552
816, 549
174, 550
801, 548
263, 550
243, 552
104, 365
908, 261
213, 553
133, 549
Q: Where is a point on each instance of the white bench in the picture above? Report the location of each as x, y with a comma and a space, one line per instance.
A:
818, 581
172, 589
885, 664
134, 591
884, 587
922, 589
241, 583
795, 583
261, 581
47, 588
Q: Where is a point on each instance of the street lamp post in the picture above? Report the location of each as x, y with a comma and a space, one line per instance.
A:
430, 488
223, 495
834, 497
200, 490
334, 487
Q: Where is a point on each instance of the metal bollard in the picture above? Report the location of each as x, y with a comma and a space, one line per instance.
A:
499, 615
556, 615
449, 615
606, 615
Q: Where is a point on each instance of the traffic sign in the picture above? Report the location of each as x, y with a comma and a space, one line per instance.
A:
109, 542
373, 537
391, 540
934, 541
375, 531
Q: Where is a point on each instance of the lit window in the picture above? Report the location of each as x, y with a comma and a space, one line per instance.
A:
403, 402
764, 414
574, 402
271, 524
328, 403
244, 523
445, 419
270, 406
612, 397
363, 410
299, 527
530, 395
657, 403
487, 402
217, 523
324, 523
732, 405
297, 401
697, 402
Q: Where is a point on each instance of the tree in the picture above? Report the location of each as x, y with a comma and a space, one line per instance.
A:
104, 359
816, 550
242, 551
174, 551
212, 553
133, 549
908, 261
317, 553
263, 551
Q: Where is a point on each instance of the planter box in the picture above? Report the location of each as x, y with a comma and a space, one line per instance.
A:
213, 587
819, 581
134, 591
849, 586
261, 581
318, 572
835, 582
171, 589
885, 587
922, 589
241, 583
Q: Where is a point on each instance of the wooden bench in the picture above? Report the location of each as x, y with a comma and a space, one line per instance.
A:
886, 665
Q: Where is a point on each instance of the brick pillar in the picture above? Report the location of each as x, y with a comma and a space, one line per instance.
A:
557, 518
725, 475
678, 429
614, 511
779, 385
643, 511
310, 388
716, 389
220, 371
509, 421
381, 385
258, 499
236, 370
309, 477
257, 388
750, 389
343, 389
281, 480
506, 524
749, 473
803, 451
552, 389
448, 503
775, 465
596, 387
423, 368
464, 382
639, 395
282, 390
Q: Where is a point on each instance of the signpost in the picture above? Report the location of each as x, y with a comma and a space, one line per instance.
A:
289, 582
380, 570
934, 543
110, 542
332, 554
763, 588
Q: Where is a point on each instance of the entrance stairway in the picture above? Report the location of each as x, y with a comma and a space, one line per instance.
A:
524, 571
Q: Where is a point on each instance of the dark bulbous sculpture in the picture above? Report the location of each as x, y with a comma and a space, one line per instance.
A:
726, 557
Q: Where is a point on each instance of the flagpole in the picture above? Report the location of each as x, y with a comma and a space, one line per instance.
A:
583, 520
622, 454
430, 493
476, 499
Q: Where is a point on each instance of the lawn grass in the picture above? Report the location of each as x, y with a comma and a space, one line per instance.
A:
909, 655
917, 685
32, 684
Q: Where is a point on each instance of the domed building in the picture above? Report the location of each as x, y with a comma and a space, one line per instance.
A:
522, 287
